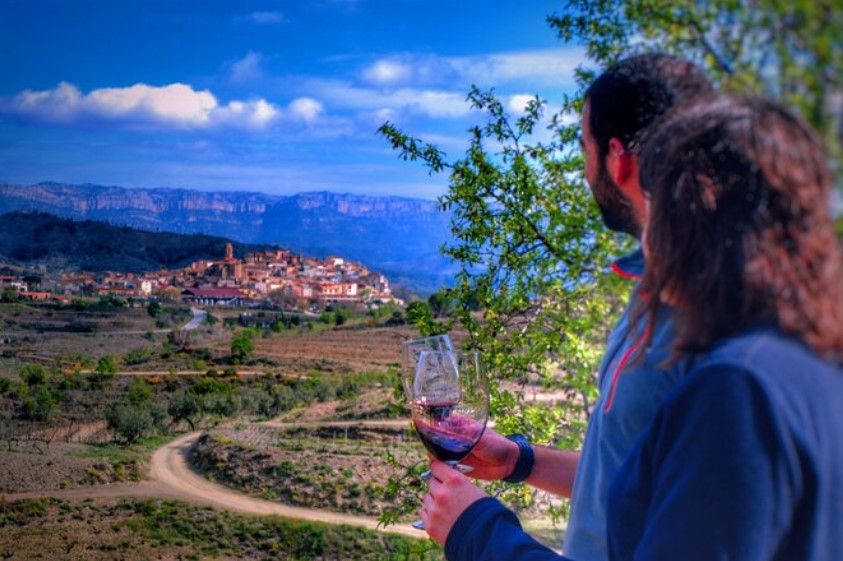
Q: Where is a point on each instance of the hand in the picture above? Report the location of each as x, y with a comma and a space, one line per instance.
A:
493, 457
449, 495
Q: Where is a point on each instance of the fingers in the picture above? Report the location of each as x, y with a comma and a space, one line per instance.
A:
426, 508
445, 473
428, 502
449, 494
443, 477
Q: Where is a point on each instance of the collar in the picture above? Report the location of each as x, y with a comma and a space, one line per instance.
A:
630, 266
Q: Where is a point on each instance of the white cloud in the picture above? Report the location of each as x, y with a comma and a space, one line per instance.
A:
384, 114
252, 114
552, 66
248, 68
436, 86
409, 69
387, 71
431, 102
266, 18
56, 105
305, 108
176, 103
518, 103
172, 106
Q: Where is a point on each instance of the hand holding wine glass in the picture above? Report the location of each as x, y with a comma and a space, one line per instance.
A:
493, 457
449, 402
449, 495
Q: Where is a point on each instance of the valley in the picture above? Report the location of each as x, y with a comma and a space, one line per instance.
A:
307, 419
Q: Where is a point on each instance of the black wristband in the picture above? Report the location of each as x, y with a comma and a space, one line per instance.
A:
525, 461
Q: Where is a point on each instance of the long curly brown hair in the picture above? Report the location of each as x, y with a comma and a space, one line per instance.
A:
739, 231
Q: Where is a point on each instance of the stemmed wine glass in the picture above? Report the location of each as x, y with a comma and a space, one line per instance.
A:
410, 354
449, 402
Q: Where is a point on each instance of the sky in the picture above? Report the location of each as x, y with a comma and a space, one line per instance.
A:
272, 96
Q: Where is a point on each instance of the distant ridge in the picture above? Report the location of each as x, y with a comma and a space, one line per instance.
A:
37, 238
397, 236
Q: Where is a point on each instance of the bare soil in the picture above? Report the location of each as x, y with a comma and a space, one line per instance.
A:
44, 333
36, 467
333, 467
355, 348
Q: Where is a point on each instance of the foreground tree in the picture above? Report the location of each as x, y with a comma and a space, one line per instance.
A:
534, 260
787, 50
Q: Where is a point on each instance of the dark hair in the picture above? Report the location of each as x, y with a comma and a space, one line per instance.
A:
739, 232
633, 93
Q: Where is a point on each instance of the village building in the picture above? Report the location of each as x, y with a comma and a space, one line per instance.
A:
33, 295
213, 296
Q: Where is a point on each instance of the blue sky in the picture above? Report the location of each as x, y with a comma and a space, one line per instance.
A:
278, 96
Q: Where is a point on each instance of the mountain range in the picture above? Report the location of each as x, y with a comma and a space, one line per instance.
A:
396, 236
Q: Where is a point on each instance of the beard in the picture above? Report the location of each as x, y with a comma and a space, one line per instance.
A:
617, 212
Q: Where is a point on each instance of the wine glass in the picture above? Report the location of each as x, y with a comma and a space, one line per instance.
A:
410, 355
449, 404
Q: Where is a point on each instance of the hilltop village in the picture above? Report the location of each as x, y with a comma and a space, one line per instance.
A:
280, 276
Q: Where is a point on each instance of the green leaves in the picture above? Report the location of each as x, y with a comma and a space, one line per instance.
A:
789, 50
532, 290
242, 345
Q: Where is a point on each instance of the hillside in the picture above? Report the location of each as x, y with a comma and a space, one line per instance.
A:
35, 238
397, 236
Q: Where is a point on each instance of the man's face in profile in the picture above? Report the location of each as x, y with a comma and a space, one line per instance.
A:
618, 214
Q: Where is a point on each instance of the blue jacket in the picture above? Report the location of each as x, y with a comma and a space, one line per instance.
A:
743, 461
630, 393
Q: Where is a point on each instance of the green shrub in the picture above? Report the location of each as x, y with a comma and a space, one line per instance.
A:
40, 405
209, 386
72, 381
138, 356
105, 372
139, 392
34, 374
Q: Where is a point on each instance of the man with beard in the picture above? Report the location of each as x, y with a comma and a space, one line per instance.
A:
619, 106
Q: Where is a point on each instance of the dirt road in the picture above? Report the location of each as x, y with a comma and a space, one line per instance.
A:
172, 478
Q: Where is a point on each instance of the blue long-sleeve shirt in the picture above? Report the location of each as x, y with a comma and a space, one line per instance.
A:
744, 461
631, 389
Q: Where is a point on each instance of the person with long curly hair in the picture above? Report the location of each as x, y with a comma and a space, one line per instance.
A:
744, 458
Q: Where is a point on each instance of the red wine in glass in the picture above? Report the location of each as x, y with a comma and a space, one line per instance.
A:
445, 434
449, 402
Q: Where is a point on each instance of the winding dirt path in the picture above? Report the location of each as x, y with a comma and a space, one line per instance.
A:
173, 478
